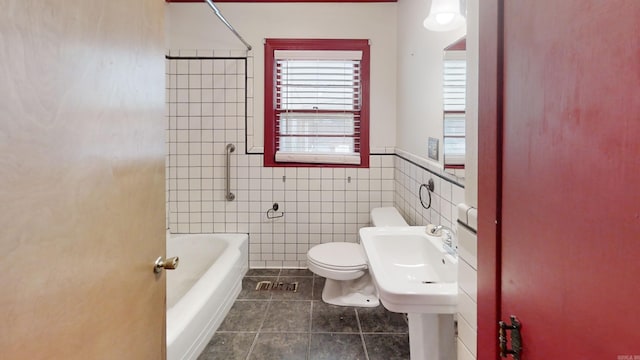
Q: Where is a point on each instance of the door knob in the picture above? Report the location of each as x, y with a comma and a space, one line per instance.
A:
169, 264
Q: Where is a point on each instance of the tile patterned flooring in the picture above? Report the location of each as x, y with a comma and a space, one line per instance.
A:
282, 325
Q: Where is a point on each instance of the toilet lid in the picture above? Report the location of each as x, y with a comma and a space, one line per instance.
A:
338, 255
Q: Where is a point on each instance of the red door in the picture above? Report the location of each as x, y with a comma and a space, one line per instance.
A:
559, 177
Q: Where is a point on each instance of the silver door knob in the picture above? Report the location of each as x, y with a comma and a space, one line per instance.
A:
169, 264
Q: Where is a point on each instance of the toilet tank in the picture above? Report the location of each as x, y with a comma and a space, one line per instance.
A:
387, 216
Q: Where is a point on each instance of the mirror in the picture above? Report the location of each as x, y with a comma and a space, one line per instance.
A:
454, 105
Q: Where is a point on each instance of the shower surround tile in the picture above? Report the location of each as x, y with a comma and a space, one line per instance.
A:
209, 105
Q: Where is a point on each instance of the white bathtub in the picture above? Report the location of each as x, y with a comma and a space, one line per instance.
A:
202, 289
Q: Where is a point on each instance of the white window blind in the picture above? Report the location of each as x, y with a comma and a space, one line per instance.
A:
317, 99
455, 85
454, 96
454, 138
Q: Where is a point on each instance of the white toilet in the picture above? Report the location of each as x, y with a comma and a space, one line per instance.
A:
344, 265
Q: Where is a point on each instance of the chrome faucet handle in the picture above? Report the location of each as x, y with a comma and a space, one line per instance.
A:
448, 239
447, 242
435, 229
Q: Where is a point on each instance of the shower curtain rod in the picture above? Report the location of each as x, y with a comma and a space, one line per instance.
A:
221, 17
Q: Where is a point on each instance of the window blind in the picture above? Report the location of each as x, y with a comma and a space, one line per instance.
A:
454, 138
455, 83
454, 104
317, 100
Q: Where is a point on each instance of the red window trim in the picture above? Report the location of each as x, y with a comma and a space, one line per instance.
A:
269, 109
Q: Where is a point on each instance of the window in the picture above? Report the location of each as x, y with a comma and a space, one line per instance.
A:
454, 104
316, 103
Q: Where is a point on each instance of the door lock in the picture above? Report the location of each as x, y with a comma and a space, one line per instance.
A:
516, 338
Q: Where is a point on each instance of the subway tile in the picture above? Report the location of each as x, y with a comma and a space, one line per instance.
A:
467, 334
457, 196
195, 66
182, 95
468, 279
303, 173
315, 173
207, 227
182, 67
467, 309
326, 184
463, 352
182, 109
218, 67
467, 247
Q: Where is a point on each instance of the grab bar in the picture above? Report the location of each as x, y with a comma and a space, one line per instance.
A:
224, 20
229, 195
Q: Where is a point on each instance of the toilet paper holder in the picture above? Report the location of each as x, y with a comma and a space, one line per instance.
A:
273, 212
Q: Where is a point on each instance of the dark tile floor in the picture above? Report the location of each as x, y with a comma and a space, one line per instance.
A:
283, 325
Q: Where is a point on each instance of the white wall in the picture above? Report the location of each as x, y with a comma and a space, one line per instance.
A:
195, 26
419, 79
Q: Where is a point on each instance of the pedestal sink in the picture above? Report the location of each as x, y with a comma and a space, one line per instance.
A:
415, 273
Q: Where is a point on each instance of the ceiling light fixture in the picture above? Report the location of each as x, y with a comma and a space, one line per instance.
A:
445, 15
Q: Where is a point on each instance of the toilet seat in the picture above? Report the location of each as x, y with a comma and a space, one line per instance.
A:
339, 256
335, 268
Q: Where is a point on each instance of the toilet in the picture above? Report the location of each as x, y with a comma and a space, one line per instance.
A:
344, 265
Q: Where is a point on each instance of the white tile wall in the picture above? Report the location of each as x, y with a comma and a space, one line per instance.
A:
468, 289
447, 192
464, 353
207, 108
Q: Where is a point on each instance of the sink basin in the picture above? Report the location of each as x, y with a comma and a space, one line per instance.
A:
412, 271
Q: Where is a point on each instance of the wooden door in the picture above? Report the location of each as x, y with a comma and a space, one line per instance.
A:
81, 179
560, 241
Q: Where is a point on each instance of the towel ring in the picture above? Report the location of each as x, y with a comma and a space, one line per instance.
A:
430, 187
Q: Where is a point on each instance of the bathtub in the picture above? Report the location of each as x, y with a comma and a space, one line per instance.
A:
202, 289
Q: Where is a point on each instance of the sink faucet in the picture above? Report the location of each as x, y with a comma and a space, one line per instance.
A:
446, 233
447, 238
435, 229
